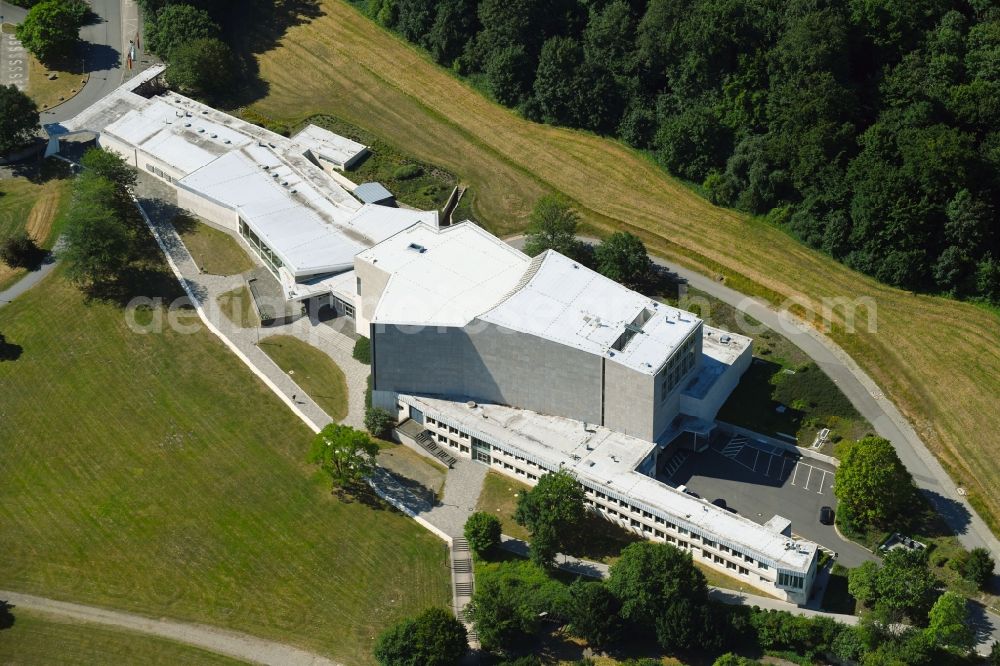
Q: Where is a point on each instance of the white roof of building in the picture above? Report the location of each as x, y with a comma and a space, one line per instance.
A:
333, 147
443, 277
608, 459
306, 217
568, 303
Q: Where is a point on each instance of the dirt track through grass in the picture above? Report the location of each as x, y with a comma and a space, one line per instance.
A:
939, 360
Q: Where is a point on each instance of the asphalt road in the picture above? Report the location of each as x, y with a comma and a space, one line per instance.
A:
866, 397
105, 41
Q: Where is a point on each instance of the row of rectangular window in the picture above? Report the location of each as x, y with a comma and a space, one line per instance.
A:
635, 523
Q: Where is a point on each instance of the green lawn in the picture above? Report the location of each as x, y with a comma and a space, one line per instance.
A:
413, 182
214, 251
312, 370
35, 206
237, 306
36, 638
153, 473
781, 375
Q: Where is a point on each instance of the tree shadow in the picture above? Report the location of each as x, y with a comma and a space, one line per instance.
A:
95, 58
7, 618
133, 282
257, 28
8, 350
940, 516
38, 170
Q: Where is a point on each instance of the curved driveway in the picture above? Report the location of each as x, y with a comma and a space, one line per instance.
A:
866, 397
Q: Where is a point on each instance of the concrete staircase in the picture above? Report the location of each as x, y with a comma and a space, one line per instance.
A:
463, 585
675, 463
426, 441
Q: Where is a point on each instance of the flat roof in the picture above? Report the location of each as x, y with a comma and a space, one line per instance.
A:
306, 217
719, 350
443, 276
608, 459
566, 302
329, 146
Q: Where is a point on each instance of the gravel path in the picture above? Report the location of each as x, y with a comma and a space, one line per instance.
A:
222, 641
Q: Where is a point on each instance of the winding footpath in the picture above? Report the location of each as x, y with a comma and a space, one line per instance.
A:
230, 643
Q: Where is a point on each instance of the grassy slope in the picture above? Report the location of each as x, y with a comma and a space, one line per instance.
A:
938, 359
215, 251
31, 207
153, 473
311, 369
36, 638
237, 306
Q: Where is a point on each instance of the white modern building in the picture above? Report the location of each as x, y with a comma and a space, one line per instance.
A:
528, 365
531, 365
284, 196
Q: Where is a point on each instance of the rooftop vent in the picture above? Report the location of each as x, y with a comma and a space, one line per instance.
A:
294, 191
188, 114
266, 167
187, 124
471, 404
228, 141
416, 247
201, 130
204, 113
215, 136
725, 339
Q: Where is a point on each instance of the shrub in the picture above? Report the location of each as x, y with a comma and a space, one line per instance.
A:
406, 171
482, 531
977, 567
20, 251
378, 422
433, 638
363, 351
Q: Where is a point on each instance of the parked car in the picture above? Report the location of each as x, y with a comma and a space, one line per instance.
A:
826, 515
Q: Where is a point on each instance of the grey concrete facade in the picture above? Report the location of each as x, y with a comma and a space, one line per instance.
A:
488, 363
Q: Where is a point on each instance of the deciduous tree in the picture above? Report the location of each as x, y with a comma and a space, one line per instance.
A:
593, 613
552, 511
52, 28
482, 531
872, 483
204, 66
553, 226
18, 118
433, 638
347, 455
660, 588
949, 624
623, 258
176, 24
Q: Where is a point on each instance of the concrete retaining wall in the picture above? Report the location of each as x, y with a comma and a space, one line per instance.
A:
771, 441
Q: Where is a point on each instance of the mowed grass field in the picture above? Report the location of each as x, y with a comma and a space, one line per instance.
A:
153, 473
939, 360
312, 370
32, 207
36, 638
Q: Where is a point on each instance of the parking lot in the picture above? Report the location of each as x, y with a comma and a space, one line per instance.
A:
758, 481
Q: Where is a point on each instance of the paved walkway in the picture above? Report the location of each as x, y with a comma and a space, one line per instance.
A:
158, 203
221, 641
31, 278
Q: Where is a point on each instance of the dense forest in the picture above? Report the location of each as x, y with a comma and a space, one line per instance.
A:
870, 129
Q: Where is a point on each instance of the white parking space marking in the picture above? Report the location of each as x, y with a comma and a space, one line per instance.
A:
822, 481
809, 478
756, 456
795, 473
769, 461
13, 62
